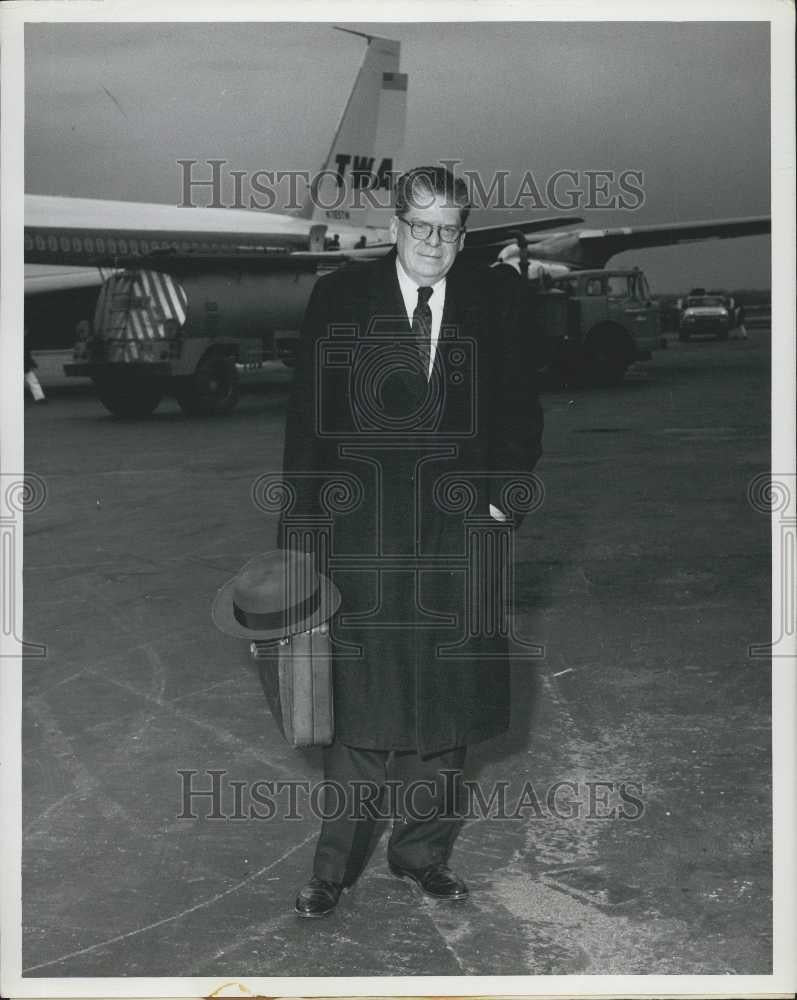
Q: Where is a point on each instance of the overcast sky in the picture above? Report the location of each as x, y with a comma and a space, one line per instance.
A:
111, 107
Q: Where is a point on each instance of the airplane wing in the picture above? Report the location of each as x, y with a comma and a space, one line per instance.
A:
498, 236
682, 232
595, 247
41, 279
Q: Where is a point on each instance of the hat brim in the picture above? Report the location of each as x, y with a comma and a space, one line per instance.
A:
225, 620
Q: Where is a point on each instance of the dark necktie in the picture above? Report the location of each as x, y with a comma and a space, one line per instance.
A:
422, 327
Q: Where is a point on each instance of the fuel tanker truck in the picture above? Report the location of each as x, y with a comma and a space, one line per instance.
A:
190, 332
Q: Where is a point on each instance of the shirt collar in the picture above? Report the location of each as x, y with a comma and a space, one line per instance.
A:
409, 288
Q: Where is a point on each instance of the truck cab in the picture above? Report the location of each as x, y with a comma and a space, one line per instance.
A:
612, 322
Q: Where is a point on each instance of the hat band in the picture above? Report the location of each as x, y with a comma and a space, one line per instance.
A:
282, 619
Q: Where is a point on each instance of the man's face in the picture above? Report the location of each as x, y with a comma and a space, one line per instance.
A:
427, 261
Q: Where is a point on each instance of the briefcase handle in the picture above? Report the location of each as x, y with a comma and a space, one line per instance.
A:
260, 649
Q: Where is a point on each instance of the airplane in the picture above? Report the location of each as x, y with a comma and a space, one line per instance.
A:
186, 289
95, 232
200, 296
73, 246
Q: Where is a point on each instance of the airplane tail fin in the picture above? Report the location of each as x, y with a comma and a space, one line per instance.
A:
366, 143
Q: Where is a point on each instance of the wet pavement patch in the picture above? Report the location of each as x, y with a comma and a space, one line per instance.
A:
592, 884
720, 433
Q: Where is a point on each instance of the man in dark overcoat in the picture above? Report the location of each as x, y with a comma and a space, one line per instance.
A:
412, 429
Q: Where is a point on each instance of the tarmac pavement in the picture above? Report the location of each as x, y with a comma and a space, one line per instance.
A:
645, 577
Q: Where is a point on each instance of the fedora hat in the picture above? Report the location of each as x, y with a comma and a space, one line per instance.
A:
275, 595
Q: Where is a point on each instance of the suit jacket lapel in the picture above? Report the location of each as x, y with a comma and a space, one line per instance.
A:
463, 317
386, 316
463, 301
386, 302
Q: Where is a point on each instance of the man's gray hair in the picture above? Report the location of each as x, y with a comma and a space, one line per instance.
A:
419, 187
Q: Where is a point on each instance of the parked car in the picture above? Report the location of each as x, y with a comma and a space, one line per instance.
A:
706, 314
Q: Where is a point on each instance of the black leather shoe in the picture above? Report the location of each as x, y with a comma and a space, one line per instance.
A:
318, 898
437, 880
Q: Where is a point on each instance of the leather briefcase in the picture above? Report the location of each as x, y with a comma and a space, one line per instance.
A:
296, 674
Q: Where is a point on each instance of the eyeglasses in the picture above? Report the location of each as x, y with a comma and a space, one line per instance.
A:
423, 230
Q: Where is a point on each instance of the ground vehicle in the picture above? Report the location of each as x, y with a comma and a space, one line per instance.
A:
706, 314
193, 335
612, 321
196, 333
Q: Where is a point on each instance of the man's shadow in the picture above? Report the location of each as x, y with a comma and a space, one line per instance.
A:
533, 592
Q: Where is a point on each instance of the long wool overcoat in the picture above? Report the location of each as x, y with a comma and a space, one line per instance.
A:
393, 478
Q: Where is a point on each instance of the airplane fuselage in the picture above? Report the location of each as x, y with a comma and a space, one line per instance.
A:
90, 232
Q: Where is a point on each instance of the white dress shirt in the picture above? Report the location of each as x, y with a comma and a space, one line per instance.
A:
437, 300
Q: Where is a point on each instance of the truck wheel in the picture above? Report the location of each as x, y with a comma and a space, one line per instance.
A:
606, 357
608, 372
212, 391
128, 397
